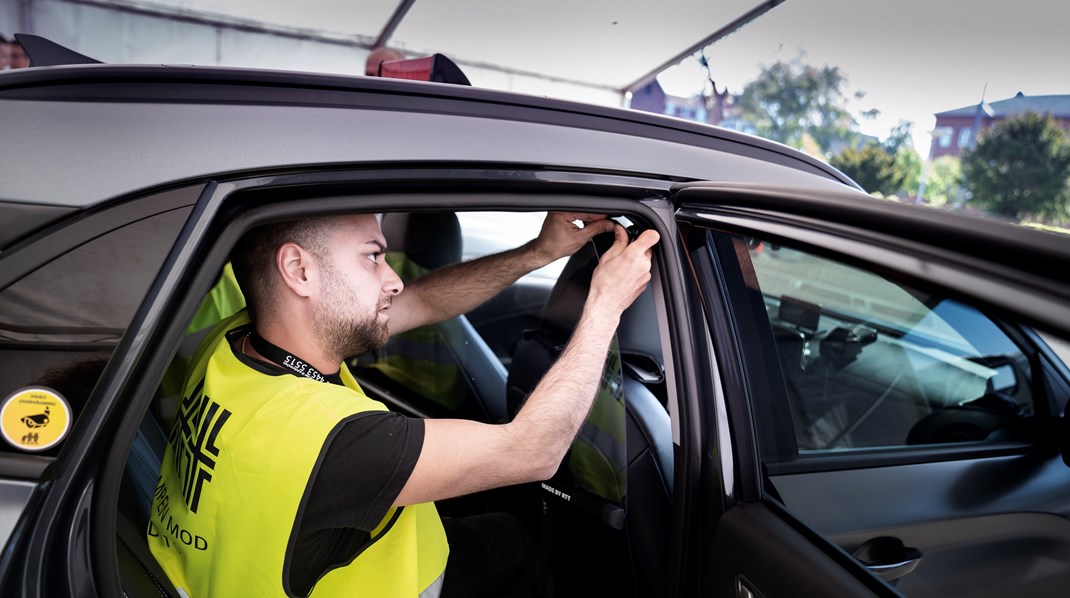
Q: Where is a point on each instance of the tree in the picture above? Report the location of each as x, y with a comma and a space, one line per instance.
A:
908, 166
871, 167
1020, 168
943, 184
790, 99
892, 167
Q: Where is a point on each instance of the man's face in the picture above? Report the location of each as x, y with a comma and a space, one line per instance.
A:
357, 286
5, 56
19, 60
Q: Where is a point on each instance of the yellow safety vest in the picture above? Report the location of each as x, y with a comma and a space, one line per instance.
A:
234, 477
223, 300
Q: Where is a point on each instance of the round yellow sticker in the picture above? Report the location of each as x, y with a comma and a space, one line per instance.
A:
34, 419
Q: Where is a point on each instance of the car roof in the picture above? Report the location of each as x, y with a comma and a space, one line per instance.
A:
91, 133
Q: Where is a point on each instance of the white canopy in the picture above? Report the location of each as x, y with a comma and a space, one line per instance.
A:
593, 50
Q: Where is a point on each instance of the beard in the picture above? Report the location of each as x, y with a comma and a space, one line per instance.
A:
343, 331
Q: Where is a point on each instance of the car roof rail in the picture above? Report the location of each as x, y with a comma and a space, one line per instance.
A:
45, 52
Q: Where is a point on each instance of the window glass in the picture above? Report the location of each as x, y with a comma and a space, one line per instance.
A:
944, 137
869, 362
964, 137
59, 324
492, 232
457, 368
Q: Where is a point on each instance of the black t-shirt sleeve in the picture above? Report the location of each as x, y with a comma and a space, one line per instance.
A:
363, 470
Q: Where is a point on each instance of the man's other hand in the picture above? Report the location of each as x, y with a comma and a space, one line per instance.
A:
623, 271
561, 237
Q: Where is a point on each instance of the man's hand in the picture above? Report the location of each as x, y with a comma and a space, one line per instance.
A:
623, 272
560, 237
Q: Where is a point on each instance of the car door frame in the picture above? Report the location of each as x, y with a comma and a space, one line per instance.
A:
79, 499
751, 545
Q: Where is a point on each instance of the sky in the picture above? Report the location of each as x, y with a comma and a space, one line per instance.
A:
913, 58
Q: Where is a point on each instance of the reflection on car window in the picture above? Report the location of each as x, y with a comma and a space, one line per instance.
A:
872, 363
457, 368
1061, 347
492, 232
59, 324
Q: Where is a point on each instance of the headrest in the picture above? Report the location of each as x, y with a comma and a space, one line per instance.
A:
638, 330
565, 304
431, 239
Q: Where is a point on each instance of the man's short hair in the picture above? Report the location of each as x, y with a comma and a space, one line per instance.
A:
253, 258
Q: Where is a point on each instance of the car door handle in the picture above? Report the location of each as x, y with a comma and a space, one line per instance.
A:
887, 557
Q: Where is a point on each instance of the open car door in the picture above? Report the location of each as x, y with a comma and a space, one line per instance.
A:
894, 394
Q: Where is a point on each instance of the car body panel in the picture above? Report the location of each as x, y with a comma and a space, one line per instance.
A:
180, 138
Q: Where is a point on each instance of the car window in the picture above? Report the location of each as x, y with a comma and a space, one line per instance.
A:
452, 370
491, 232
1060, 346
870, 362
457, 368
60, 323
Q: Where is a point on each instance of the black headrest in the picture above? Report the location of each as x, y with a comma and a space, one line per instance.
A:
565, 304
431, 239
638, 330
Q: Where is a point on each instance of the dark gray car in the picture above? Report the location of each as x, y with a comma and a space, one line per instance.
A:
821, 393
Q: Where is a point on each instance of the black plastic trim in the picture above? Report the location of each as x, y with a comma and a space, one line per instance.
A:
902, 455
973, 241
727, 340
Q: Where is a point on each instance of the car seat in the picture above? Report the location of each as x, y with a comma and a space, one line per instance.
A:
622, 478
447, 367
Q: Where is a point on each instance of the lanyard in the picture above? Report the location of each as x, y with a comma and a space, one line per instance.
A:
296, 365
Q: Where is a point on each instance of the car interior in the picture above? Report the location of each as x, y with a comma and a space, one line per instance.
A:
870, 363
602, 521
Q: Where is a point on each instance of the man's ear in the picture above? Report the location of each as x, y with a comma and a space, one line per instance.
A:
297, 267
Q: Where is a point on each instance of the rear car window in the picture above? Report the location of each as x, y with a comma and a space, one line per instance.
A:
60, 323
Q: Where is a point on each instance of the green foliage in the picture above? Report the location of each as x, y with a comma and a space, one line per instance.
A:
943, 186
1020, 168
789, 100
901, 136
871, 167
908, 166
886, 169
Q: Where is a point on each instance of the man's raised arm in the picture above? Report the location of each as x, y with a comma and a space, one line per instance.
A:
462, 456
457, 289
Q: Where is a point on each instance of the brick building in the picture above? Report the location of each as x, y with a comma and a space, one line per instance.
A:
957, 129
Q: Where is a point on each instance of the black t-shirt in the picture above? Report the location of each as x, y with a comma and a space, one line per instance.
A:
363, 468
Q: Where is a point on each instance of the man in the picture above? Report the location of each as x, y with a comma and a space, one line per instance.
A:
378, 56
17, 56
282, 478
5, 53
